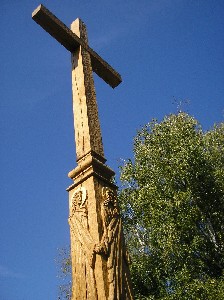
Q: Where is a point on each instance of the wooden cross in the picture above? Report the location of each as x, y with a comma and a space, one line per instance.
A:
98, 253
84, 61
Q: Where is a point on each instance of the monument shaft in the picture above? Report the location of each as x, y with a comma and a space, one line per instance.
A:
100, 261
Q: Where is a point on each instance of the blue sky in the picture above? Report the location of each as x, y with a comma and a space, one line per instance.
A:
165, 50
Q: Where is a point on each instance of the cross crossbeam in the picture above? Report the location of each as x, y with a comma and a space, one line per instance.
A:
50, 23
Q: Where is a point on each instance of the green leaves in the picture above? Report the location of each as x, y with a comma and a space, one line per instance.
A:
173, 204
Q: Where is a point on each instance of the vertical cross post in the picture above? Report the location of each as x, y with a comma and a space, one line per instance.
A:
87, 127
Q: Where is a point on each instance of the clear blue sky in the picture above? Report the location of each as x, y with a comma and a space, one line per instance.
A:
164, 50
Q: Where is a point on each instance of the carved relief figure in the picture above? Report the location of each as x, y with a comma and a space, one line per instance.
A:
112, 248
82, 248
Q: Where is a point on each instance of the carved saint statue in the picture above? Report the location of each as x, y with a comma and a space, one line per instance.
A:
111, 249
83, 247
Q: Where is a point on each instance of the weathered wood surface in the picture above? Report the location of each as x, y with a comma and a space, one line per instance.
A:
100, 262
50, 23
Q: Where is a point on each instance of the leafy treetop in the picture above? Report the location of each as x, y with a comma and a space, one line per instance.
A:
173, 209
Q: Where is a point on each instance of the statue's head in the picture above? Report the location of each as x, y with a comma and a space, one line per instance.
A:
109, 197
78, 198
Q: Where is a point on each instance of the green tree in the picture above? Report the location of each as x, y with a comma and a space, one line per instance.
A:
64, 265
173, 210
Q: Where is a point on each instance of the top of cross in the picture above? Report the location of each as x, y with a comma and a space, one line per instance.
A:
71, 42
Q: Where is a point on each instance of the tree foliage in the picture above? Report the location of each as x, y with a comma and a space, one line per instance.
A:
65, 271
173, 210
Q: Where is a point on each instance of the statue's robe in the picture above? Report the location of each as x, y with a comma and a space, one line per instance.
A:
83, 258
112, 250
112, 244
